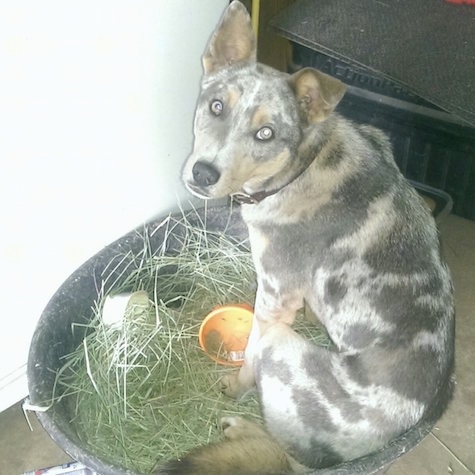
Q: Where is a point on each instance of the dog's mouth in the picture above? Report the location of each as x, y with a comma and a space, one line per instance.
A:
198, 191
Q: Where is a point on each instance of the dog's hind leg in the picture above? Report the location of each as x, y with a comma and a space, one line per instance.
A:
320, 404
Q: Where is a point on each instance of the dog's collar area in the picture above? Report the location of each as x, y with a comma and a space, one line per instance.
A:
255, 198
245, 198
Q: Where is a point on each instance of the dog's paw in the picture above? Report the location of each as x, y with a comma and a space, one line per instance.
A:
240, 428
231, 427
235, 427
230, 385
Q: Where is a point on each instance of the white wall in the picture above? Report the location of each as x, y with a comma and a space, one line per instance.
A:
96, 106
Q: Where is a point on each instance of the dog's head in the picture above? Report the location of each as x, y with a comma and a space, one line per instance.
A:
251, 119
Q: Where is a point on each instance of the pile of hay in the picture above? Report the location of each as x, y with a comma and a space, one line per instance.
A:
141, 390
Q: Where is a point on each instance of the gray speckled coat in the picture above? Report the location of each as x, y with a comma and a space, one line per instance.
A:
336, 225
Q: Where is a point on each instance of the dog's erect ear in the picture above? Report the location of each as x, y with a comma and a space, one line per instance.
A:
317, 93
232, 42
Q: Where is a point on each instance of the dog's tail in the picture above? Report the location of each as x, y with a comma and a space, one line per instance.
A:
247, 450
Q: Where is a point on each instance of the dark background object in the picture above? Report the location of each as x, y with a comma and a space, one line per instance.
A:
428, 47
410, 68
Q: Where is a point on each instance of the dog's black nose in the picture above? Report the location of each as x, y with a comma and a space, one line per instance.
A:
205, 174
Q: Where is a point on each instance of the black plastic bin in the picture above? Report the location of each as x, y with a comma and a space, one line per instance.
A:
72, 303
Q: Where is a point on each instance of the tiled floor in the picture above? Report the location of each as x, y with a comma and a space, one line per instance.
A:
449, 449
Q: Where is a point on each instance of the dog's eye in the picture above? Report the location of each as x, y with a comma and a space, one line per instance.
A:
265, 133
216, 107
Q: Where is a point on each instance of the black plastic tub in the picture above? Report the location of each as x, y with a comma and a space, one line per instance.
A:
72, 302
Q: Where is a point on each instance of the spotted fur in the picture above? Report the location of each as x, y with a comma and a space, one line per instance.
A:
340, 229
